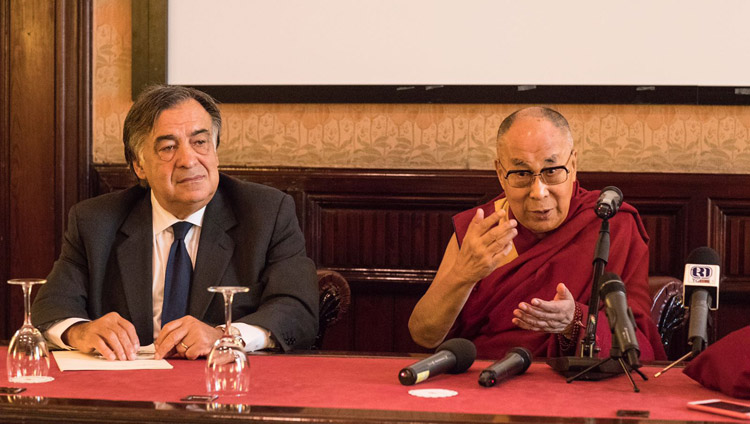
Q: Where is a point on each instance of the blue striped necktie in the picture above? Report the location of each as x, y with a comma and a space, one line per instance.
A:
178, 276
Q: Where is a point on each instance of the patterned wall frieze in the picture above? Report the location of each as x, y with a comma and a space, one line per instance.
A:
620, 138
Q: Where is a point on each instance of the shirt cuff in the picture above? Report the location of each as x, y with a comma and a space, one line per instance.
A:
256, 338
55, 332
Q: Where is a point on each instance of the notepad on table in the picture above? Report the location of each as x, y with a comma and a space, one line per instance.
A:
72, 360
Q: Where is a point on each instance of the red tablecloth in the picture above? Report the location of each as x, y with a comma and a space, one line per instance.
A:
372, 383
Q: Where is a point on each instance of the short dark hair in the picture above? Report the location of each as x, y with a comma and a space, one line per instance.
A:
150, 104
550, 115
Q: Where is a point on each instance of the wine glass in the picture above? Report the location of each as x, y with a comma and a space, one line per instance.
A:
28, 357
227, 366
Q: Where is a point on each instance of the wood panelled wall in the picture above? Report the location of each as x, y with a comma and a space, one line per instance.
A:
44, 136
385, 231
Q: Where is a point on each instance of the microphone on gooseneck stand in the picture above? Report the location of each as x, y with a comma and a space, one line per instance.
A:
609, 202
587, 365
700, 289
517, 361
453, 356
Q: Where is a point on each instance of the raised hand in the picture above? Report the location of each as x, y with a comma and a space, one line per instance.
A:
551, 316
486, 244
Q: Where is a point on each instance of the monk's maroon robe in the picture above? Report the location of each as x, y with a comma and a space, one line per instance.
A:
564, 255
725, 365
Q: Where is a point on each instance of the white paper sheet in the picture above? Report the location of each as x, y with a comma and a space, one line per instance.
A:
71, 360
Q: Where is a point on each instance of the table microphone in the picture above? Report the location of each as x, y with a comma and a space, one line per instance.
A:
620, 317
516, 362
453, 356
700, 291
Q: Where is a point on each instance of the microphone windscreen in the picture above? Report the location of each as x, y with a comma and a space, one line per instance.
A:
704, 255
525, 355
465, 353
616, 190
610, 282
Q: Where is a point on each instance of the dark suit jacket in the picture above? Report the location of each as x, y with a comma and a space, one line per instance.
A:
250, 237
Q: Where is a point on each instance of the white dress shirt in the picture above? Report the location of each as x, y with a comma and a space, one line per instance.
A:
255, 337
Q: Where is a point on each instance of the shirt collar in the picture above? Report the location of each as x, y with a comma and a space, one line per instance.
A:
163, 219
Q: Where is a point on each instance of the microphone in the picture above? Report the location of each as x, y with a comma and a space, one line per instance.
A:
516, 362
701, 285
453, 356
609, 202
620, 317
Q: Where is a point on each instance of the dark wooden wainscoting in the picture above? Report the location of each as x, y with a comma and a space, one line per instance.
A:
45, 134
385, 231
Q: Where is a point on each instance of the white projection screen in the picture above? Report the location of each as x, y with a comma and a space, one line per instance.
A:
639, 43
387, 42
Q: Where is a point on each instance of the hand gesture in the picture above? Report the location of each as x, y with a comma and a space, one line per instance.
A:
486, 244
552, 316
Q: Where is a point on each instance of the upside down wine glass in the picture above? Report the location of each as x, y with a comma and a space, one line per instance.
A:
28, 357
227, 366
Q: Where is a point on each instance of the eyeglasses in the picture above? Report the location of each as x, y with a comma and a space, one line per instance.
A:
167, 148
521, 178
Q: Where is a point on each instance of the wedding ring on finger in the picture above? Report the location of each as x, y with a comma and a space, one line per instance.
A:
184, 346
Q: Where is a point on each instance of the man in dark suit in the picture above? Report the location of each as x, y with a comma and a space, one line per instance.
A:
135, 265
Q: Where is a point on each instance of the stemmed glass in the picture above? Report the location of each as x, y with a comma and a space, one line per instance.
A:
28, 357
227, 367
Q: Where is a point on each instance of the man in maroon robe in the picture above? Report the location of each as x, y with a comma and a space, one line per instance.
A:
518, 270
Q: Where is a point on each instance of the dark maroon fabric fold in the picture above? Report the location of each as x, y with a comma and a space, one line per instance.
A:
725, 365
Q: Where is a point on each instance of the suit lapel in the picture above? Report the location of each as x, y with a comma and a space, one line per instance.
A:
215, 251
135, 261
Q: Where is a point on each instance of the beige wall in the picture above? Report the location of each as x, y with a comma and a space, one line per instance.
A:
623, 138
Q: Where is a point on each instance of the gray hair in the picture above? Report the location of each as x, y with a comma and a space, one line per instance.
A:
150, 104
